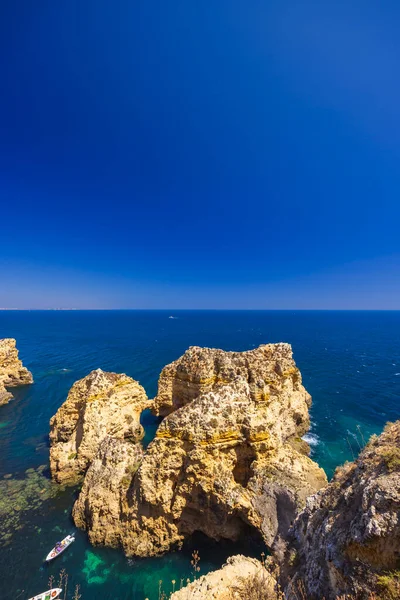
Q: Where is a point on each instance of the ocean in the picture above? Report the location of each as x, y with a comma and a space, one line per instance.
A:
350, 362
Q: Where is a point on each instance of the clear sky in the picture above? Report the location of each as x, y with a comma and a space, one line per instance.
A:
200, 154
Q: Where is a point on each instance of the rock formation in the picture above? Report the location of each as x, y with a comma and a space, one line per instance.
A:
347, 539
101, 505
12, 371
270, 371
99, 406
227, 583
225, 463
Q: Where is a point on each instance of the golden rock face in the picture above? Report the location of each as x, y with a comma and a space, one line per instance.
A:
12, 371
99, 406
220, 465
269, 370
223, 461
220, 584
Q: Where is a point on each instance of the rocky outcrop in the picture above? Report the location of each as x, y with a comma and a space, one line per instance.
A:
227, 462
99, 406
12, 371
270, 371
228, 582
102, 503
347, 539
219, 466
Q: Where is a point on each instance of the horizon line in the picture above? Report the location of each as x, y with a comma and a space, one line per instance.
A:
201, 309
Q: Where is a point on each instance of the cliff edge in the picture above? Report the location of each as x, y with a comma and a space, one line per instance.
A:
12, 371
347, 539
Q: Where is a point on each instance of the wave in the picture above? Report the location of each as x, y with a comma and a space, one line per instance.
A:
311, 438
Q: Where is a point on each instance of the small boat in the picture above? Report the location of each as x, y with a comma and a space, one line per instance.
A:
49, 595
60, 547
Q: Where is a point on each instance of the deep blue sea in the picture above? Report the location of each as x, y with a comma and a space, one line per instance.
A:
350, 363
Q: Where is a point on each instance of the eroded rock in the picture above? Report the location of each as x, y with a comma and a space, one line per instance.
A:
217, 465
100, 507
270, 371
99, 406
225, 463
228, 582
12, 371
347, 539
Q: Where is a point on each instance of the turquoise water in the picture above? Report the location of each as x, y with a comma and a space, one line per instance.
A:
350, 363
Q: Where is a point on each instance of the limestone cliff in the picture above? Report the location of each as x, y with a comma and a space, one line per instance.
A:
12, 371
226, 462
102, 502
228, 582
98, 406
272, 375
347, 539
218, 466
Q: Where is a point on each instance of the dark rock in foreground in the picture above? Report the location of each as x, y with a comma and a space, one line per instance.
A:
347, 539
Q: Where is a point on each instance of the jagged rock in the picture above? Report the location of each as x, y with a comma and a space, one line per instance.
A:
217, 465
227, 462
100, 506
5, 396
347, 539
227, 583
12, 371
272, 375
98, 406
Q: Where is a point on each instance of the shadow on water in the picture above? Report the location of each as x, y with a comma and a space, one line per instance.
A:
150, 424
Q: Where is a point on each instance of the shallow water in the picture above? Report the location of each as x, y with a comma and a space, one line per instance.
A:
350, 363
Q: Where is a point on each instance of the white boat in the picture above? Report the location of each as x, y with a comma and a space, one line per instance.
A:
60, 547
49, 595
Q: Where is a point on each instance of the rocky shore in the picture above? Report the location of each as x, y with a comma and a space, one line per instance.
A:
347, 539
12, 372
230, 582
228, 460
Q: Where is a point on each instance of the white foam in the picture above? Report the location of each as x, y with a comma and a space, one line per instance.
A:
311, 438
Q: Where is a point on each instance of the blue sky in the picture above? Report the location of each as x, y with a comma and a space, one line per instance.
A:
178, 154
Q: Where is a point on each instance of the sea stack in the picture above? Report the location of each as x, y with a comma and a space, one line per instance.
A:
12, 372
227, 460
101, 405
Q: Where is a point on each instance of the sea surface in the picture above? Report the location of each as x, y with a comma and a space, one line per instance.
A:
350, 362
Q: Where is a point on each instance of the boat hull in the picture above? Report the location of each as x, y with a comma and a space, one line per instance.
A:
66, 542
49, 595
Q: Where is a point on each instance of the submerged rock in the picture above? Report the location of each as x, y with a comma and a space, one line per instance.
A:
225, 463
20, 495
347, 539
12, 371
99, 406
228, 582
